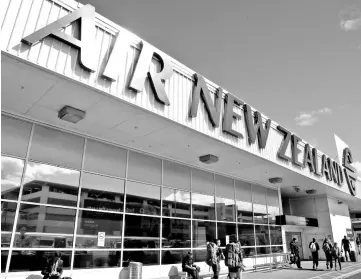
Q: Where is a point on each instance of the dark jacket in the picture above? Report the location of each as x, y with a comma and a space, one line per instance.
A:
187, 263
294, 248
47, 270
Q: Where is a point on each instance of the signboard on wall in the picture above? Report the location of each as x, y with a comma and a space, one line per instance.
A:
349, 234
296, 221
101, 239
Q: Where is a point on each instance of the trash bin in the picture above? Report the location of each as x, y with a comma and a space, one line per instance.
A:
135, 270
352, 256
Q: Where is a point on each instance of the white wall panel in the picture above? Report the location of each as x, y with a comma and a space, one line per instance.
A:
23, 17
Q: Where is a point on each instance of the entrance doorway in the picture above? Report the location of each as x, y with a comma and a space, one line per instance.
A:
297, 235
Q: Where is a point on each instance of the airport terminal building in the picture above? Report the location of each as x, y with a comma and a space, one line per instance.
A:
112, 152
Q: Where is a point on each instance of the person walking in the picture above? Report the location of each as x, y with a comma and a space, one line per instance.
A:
336, 254
234, 260
314, 250
54, 267
327, 248
217, 267
346, 244
358, 245
295, 251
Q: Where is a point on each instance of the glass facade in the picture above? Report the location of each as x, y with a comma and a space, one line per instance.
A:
103, 206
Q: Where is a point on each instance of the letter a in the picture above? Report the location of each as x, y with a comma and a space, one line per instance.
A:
87, 34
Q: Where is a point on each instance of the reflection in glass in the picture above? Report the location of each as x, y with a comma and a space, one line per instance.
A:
203, 232
203, 206
259, 194
246, 234
142, 198
277, 249
7, 222
263, 250
276, 235
226, 232
176, 203
199, 255
177, 233
96, 259
176, 176
262, 235
102, 193
11, 172
249, 251
224, 187
272, 205
144, 168
202, 181
225, 209
141, 232
173, 256
50, 185
26, 260
4, 259
45, 227
244, 212
90, 223
143, 256
260, 213
272, 213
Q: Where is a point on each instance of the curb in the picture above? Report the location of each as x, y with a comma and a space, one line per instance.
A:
343, 276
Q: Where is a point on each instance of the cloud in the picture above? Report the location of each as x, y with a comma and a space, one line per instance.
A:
350, 18
351, 24
310, 118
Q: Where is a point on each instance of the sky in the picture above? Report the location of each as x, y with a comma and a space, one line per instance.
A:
297, 62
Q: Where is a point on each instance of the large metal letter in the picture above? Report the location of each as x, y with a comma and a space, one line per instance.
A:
229, 115
295, 150
87, 34
350, 172
325, 170
333, 170
156, 79
315, 161
308, 158
255, 127
284, 145
213, 110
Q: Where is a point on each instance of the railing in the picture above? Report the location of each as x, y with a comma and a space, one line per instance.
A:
271, 261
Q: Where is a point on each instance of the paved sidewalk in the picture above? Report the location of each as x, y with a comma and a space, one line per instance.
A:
348, 269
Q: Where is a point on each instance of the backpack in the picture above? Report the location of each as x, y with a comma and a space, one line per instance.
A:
313, 247
211, 254
326, 247
233, 257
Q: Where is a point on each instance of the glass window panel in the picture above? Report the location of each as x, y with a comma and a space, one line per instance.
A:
4, 259
260, 213
176, 175
276, 235
7, 222
244, 212
102, 193
56, 147
199, 255
143, 256
144, 168
262, 235
203, 232
45, 227
176, 203
90, 223
15, 135
249, 251
173, 256
263, 250
272, 213
243, 191
246, 234
141, 232
34, 260
11, 172
277, 249
203, 207
142, 198
105, 158
50, 185
226, 232
224, 187
259, 194
96, 259
272, 205
176, 233
202, 182
225, 209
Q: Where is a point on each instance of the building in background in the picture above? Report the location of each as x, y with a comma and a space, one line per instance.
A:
113, 151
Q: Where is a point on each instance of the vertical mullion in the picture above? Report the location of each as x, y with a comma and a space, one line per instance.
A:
124, 208
268, 217
161, 217
191, 208
254, 223
12, 239
235, 208
77, 207
215, 204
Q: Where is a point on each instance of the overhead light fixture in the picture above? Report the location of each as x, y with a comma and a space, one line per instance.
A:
296, 188
311, 191
71, 114
275, 180
208, 159
340, 202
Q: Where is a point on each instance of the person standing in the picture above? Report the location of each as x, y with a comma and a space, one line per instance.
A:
189, 266
358, 245
233, 260
295, 250
346, 244
327, 248
219, 256
314, 250
336, 254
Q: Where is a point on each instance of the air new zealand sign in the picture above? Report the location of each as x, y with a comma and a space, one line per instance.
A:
256, 130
